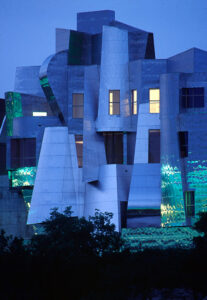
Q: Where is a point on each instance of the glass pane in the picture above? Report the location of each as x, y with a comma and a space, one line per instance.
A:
39, 114
190, 101
154, 107
184, 102
114, 102
116, 108
154, 94
198, 101
154, 146
134, 102
77, 99
199, 91
79, 149
77, 111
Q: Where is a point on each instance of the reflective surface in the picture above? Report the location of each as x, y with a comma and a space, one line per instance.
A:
22, 176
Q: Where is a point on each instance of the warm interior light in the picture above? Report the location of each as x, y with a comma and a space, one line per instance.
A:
154, 94
154, 100
39, 114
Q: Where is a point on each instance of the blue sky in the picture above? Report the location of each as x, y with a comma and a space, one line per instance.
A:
27, 27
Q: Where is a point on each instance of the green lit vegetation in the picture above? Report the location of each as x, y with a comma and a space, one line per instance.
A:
13, 110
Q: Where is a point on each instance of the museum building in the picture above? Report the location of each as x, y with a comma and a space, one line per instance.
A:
103, 124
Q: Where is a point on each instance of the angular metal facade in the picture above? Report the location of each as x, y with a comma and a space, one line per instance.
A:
102, 141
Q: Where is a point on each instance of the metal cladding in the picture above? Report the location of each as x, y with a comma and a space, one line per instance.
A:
113, 128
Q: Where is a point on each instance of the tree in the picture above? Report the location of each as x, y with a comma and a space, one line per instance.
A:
69, 237
201, 226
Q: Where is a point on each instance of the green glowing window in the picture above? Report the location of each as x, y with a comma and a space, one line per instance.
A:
190, 203
154, 101
192, 97
79, 149
134, 102
78, 103
154, 146
114, 102
39, 114
183, 143
23, 153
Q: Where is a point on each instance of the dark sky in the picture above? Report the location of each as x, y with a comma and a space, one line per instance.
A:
27, 27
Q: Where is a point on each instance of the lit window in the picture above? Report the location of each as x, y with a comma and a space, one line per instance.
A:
79, 149
39, 114
134, 102
154, 146
192, 97
114, 102
154, 100
183, 143
78, 106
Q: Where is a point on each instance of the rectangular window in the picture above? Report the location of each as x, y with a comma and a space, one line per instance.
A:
114, 147
114, 102
183, 143
190, 203
134, 102
154, 146
78, 106
79, 149
154, 101
2, 157
39, 114
23, 153
192, 97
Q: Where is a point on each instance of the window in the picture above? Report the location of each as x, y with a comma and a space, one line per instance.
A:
190, 203
114, 102
154, 101
23, 153
154, 146
183, 143
114, 147
79, 149
134, 102
39, 114
2, 157
78, 106
192, 97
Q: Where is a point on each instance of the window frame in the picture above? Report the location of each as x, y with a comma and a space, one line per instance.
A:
152, 101
79, 149
21, 160
149, 152
183, 146
111, 103
76, 106
188, 97
134, 102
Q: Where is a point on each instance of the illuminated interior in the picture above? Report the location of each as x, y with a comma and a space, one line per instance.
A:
22, 177
39, 114
134, 102
154, 101
114, 102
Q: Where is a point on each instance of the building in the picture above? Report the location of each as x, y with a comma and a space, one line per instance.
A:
102, 124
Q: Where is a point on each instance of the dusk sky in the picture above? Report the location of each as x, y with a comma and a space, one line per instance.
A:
27, 27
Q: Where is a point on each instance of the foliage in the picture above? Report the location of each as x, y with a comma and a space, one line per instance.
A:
11, 245
201, 226
71, 237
